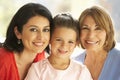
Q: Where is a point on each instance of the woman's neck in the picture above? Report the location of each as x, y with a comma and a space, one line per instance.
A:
23, 62
96, 54
95, 61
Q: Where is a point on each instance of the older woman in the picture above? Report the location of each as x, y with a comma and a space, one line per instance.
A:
97, 38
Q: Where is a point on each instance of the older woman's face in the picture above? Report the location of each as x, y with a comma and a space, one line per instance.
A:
92, 36
35, 34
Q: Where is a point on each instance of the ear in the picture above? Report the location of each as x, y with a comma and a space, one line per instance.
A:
50, 41
17, 33
77, 43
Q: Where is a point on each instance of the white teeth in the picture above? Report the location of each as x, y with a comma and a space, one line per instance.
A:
38, 44
91, 42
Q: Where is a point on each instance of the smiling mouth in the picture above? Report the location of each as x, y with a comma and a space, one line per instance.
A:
62, 51
38, 43
91, 42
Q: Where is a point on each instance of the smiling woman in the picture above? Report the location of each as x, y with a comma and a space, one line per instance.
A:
27, 37
97, 38
35, 34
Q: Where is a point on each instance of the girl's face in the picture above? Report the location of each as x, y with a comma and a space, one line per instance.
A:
35, 34
92, 36
63, 42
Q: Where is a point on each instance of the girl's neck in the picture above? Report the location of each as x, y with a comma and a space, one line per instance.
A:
59, 63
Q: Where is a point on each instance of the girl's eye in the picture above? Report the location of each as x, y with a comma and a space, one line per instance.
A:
71, 42
58, 39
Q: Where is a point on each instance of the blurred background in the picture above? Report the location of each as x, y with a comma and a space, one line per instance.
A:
75, 7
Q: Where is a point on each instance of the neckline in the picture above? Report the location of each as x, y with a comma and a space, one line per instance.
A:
14, 61
59, 70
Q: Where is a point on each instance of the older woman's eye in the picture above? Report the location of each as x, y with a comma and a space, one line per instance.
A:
84, 27
98, 28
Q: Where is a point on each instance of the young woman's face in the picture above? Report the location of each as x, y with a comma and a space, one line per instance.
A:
63, 42
92, 36
35, 34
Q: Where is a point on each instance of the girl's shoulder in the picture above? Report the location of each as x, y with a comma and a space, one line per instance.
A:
77, 64
40, 64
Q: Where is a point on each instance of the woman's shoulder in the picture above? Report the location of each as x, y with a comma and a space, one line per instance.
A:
80, 57
114, 55
3, 50
115, 51
5, 55
6, 60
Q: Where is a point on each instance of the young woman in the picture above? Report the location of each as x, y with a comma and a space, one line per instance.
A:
27, 37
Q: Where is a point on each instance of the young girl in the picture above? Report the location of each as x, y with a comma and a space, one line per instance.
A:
59, 66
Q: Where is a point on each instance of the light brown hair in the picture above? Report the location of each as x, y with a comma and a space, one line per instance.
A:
103, 19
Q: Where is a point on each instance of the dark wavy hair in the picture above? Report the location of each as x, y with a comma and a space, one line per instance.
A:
19, 19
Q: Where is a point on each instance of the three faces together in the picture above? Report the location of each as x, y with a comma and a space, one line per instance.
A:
32, 29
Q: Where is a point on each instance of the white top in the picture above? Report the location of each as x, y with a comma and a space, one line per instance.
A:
43, 70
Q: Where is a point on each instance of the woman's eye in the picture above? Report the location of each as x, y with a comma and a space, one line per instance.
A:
84, 28
98, 28
46, 30
33, 29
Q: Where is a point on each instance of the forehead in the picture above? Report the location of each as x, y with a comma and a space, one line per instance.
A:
64, 32
89, 19
93, 21
63, 29
38, 20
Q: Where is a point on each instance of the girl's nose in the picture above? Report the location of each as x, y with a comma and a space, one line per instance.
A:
64, 44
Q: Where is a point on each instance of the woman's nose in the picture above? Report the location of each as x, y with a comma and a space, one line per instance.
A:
40, 35
91, 34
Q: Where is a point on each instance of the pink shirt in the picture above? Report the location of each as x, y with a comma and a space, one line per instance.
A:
43, 70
